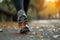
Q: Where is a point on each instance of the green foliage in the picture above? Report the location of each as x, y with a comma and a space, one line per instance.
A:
29, 18
4, 5
2, 17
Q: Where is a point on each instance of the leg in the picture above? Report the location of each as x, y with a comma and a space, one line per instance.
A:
18, 4
26, 4
21, 4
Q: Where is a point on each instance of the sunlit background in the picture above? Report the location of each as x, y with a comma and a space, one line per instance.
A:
52, 9
47, 9
51, 0
42, 9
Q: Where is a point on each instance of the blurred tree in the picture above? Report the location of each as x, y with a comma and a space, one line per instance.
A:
37, 5
57, 3
8, 9
58, 6
8, 2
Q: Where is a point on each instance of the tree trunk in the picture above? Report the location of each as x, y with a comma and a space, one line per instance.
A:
10, 18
